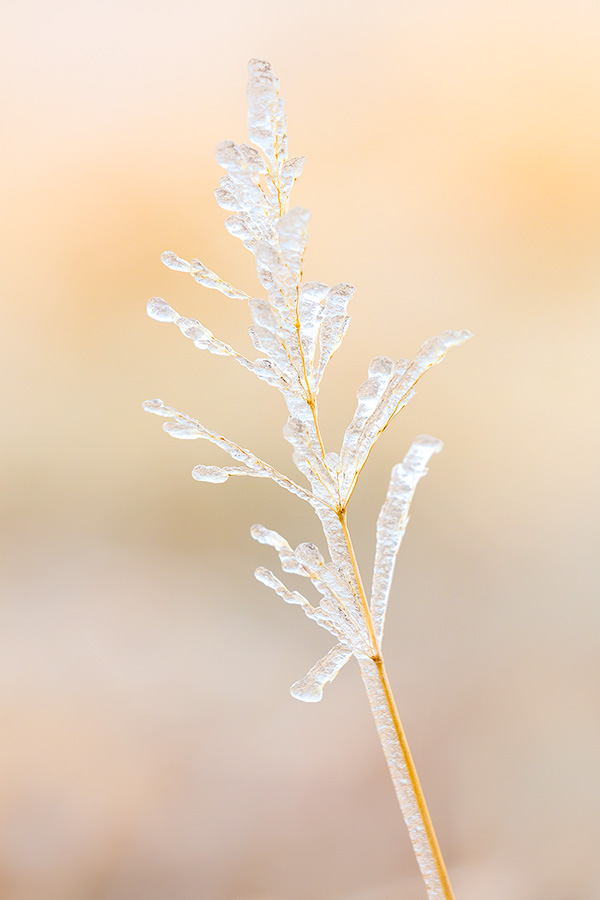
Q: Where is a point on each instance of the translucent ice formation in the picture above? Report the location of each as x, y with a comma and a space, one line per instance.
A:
296, 328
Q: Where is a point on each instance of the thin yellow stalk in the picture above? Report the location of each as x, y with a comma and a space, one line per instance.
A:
398, 756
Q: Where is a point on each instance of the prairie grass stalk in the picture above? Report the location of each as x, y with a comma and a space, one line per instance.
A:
297, 327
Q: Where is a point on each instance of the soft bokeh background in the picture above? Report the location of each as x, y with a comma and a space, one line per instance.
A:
149, 746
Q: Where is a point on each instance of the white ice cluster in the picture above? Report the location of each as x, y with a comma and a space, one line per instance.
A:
297, 327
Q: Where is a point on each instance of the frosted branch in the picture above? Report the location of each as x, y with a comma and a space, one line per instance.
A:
202, 338
338, 610
393, 520
202, 274
333, 327
184, 427
367, 426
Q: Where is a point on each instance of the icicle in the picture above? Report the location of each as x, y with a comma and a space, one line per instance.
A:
218, 474
226, 197
292, 229
266, 577
310, 688
264, 315
393, 520
291, 170
241, 162
337, 584
184, 430
159, 309
296, 434
267, 370
301, 434
287, 558
202, 274
310, 314
241, 182
185, 427
159, 408
334, 325
267, 122
202, 337
400, 389
174, 262
309, 555
239, 227
253, 158
330, 618
265, 341
368, 395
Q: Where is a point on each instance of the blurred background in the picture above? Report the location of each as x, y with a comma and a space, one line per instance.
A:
150, 749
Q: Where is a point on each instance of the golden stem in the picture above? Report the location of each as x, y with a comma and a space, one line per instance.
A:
415, 783
443, 882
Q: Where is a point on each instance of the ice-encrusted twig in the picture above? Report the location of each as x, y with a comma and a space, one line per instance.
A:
392, 522
338, 610
184, 427
202, 338
202, 275
380, 399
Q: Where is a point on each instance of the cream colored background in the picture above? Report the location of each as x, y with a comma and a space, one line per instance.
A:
150, 749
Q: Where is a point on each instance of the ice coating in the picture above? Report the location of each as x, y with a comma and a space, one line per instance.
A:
159, 310
204, 339
297, 326
159, 408
310, 688
292, 230
333, 327
403, 783
266, 577
368, 395
184, 430
220, 474
368, 425
202, 274
310, 314
267, 121
338, 609
392, 522
184, 427
332, 613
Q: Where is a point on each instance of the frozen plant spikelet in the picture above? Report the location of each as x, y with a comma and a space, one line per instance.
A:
297, 326
393, 520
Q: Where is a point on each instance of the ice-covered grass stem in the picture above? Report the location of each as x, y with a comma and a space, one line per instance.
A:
297, 327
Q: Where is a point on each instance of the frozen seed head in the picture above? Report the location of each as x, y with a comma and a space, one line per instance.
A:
296, 328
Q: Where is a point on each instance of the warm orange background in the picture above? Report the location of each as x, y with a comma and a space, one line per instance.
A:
149, 747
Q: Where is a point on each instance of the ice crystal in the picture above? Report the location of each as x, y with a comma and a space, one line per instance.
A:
297, 327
